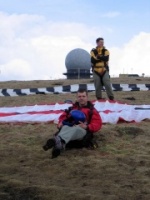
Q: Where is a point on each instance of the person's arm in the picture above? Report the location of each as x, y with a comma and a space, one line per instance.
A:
94, 54
62, 117
96, 122
105, 57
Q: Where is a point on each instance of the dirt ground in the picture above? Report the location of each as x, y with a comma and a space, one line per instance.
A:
119, 169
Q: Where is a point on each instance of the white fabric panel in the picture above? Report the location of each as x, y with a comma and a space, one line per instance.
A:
110, 112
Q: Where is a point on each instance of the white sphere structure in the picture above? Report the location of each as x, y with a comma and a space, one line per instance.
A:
78, 64
78, 58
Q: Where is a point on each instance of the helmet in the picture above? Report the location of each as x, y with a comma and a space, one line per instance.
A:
77, 116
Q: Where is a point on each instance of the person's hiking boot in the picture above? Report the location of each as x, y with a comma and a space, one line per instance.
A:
59, 146
53, 142
111, 98
49, 144
98, 98
55, 152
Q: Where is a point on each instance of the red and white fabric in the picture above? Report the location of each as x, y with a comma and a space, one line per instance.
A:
110, 112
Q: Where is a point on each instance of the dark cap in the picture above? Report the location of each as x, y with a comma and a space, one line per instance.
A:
98, 39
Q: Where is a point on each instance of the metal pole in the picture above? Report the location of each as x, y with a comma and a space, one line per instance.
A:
78, 73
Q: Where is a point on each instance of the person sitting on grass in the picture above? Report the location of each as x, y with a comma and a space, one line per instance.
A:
78, 123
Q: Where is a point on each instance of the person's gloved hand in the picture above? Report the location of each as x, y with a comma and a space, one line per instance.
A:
82, 125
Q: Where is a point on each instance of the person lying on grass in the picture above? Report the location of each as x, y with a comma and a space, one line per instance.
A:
76, 125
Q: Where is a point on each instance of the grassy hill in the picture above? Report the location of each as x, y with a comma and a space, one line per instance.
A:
118, 170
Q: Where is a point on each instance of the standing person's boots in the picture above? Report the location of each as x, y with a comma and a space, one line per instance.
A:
111, 98
98, 98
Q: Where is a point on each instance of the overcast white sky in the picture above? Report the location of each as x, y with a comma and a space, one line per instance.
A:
36, 35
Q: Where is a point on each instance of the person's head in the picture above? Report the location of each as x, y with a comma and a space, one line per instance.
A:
82, 97
100, 42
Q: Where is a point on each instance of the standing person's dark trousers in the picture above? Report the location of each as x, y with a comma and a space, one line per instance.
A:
99, 82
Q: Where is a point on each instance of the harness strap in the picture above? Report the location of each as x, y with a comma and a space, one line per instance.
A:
103, 53
101, 77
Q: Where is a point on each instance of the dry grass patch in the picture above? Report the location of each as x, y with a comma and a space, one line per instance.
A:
119, 169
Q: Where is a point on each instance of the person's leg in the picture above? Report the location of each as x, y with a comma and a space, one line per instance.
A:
107, 84
53, 142
65, 135
98, 85
68, 134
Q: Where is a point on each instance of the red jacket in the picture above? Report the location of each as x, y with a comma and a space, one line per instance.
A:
95, 122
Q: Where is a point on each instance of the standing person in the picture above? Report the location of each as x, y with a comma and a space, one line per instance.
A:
78, 123
99, 61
